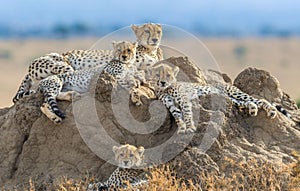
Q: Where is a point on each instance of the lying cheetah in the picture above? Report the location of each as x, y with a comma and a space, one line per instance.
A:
130, 160
177, 96
147, 53
73, 83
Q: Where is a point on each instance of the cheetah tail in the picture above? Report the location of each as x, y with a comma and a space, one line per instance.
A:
282, 110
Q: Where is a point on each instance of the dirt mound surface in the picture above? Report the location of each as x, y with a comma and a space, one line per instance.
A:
31, 146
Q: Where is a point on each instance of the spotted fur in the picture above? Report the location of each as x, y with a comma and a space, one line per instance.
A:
177, 96
148, 53
40, 68
67, 85
130, 169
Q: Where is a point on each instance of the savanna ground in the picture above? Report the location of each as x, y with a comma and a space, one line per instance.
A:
279, 56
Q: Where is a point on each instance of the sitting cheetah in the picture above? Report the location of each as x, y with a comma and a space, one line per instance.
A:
129, 159
148, 53
177, 96
77, 82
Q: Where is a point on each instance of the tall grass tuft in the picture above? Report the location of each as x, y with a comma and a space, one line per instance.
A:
249, 175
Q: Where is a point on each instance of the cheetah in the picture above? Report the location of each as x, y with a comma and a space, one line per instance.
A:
177, 96
67, 85
148, 53
130, 169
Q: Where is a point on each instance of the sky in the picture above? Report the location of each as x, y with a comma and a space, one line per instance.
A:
241, 15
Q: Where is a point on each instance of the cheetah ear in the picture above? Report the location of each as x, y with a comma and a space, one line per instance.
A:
115, 149
114, 43
135, 44
140, 150
158, 65
159, 25
176, 70
134, 28
153, 70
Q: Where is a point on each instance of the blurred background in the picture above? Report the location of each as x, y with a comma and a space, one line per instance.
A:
263, 34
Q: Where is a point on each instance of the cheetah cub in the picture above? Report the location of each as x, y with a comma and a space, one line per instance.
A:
129, 159
177, 96
74, 83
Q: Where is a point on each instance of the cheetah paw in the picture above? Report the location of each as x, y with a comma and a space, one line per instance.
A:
16, 99
22, 95
57, 120
181, 126
45, 108
252, 107
135, 97
192, 129
272, 113
138, 103
181, 130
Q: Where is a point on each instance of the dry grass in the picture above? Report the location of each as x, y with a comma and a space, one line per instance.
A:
60, 184
250, 175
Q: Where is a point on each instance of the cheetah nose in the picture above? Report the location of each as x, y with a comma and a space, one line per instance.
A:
124, 56
126, 162
163, 83
154, 40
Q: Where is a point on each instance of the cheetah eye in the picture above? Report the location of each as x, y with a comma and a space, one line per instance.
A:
131, 155
128, 50
147, 31
157, 75
121, 154
168, 75
158, 32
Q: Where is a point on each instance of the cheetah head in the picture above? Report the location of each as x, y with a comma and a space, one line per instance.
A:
162, 75
124, 51
129, 156
148, 35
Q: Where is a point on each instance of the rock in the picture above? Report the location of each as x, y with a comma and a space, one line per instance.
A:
41, 149
262, 84
189, 72
32, 146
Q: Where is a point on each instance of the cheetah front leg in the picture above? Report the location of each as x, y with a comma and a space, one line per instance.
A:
168, 101
186, 107
244, 100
